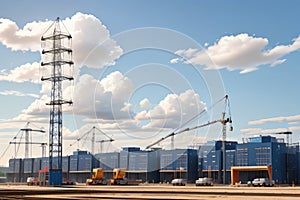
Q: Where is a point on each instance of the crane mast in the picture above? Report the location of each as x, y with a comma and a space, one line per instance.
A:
27, 140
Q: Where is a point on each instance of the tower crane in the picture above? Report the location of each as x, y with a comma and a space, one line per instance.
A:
43, 145
103, 141
93, 131
224, 121
28, 141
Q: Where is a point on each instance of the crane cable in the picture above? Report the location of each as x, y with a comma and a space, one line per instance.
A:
193, 118
199, 114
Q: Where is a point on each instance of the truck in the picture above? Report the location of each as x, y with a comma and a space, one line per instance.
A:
97, 178
119, 177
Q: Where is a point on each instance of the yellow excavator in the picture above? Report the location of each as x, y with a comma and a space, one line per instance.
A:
97, 178
119, 177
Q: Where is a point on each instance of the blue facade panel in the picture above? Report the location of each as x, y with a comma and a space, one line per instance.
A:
65, 163
85, 162
254, 154
109, 161
73, 163
124, 159
44, 163
138, 161
202, 153
230, 159
37, 164
178, 159
173, 159
278, 163
153, 161
28, 165
15, 165
212, 161
192, 168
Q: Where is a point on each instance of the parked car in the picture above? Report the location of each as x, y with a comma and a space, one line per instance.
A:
262, 182
204, 181
179, 181
30, 180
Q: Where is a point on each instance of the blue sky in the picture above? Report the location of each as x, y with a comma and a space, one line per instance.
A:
163, 62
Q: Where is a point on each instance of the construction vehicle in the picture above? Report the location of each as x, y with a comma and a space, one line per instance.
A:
119, 177
97, 178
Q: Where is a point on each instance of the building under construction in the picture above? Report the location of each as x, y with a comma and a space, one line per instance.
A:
263, 156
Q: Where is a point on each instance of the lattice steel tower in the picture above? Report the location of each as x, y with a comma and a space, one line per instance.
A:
56, 58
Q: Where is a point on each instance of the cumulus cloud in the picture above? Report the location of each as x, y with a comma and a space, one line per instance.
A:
104, 99
27, 72
276, 119
25, 39
145, 103
237, 52
37, 109
172, 111
92, 45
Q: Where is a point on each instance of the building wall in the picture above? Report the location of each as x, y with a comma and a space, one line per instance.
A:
108, 161
174, 163
165, 165
264, 151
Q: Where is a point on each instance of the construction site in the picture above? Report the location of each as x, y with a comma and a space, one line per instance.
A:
153, 169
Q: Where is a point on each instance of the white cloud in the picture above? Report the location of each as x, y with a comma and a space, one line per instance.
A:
118, 84
18, 93
24, 39
145, 103
275, 119
92, 45
172, 111
104, 99
27, 72
237, 52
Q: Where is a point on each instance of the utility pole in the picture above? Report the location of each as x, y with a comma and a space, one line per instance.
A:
57, 55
